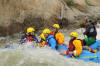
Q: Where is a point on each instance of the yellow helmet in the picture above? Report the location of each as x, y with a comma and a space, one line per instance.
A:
46, 31
74, 34
30, 29
56, 26
42, 36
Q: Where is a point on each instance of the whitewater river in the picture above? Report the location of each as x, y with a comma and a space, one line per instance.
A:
22, 56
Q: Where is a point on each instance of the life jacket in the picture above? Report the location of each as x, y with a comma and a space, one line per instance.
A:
29, 39
82, 41
52, 33
72, 47
58, 36
46, 43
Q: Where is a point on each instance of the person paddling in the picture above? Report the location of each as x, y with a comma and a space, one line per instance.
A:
91, 34
75, 46
43, 41
50, 39
90, 30
29, 36
57, 35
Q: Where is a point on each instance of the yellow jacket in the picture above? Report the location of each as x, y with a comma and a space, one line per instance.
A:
60, 38
78, 47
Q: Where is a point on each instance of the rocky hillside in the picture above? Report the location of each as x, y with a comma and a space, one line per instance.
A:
17, 15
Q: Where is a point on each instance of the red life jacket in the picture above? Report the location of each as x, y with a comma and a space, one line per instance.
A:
52, 33
29, 39
71, 46
46, 43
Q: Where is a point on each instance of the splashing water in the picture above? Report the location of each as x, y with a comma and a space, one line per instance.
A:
34, 56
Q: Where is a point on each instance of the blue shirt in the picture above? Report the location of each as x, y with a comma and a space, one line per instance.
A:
51, 41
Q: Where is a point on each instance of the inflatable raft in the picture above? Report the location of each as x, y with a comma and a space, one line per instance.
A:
7, 47
85, 55
96, 45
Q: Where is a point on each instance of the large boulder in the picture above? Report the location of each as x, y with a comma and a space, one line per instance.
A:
17, 15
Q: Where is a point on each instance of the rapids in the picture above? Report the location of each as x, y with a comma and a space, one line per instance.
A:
28, 56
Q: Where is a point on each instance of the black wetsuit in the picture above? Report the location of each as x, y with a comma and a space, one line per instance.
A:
91, 31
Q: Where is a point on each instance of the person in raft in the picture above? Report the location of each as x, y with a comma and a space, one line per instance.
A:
57, 35
75, 46
29, 36
43, 41
91, 34
49, 39
91, 29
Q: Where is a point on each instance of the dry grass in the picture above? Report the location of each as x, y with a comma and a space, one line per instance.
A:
72, 4
88, 3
